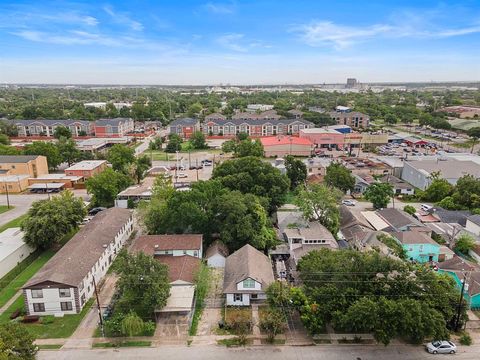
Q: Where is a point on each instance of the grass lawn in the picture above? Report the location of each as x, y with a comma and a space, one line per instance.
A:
4, 208
49, 346
9, 290
234, 342
157, 155
53, 328
137, 343
14, 223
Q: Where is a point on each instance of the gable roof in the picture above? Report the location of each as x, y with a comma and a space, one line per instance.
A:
217, 247
474, 219
247, 262
397, 218
452, 216
457, 264
6, 159
182, 268
313, 231
151, 243
76, 258
413, 237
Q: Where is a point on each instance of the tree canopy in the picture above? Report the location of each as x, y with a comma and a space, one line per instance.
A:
121, 156
379, 194
105, 186
62, 131
16, 342
198, 140
296, 171
339, 176
47, 149
174, 143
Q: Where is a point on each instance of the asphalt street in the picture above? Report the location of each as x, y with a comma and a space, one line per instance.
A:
334, 352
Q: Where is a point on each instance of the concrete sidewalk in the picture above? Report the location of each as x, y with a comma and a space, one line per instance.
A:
10, 302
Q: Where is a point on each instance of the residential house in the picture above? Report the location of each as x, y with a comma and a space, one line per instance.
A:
296, 114
452, 216
66, 282
353, 119
248, 273
418, 246
398, 220
279, 146
400, 187
302, 240
47, 128
184, 127
475, 253
117, 127
463, 270
174, 245
362, 182
13, 250
473, 224
216, 254
135, 193
86, 168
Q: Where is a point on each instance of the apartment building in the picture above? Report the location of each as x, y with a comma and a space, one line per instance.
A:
353, 119
47, 128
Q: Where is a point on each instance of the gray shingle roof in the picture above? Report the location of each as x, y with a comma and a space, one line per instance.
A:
49, 122
184, 122
247, 262
17, 158
474, 219
76, 258
222, 122
112, 122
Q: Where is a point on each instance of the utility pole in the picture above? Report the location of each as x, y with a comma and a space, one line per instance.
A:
98, 306
460, 302
6, 192
196, 167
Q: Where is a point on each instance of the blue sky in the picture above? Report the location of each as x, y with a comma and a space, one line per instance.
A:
238, 42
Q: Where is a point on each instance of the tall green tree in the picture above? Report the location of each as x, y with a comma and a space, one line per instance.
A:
340, 177
379, 194
252, 175
174, 143
9, 150
140, 167
121, 156
62, 131
68, 151
320, 203
438, 190
48, 221
198, 140
474, 134
464, 243
105, 186
249, 147
296, 171
143, 284
16, 342
4, 139
49, 150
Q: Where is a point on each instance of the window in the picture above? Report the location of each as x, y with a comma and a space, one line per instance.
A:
254, 296
37, 293
64, 292
39, 307
249, 284
184, 252
237, 297
66, 306
195, 253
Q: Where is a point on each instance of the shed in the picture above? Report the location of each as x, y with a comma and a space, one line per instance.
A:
216, 254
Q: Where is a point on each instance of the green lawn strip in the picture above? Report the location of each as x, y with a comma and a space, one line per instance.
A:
132, 343
10, 290
233, 342
16, 305
14, 223
50, 346
201, 290
4, 208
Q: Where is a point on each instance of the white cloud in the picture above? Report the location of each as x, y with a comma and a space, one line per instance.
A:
123, 18
232, 42
220, 8
327, 33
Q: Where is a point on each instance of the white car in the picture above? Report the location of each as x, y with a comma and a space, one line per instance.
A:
182, 175
348, 202
441, 347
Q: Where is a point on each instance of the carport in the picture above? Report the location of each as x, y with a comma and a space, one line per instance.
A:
180, 302
46, 187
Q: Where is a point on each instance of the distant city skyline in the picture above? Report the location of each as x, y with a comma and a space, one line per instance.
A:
238, 42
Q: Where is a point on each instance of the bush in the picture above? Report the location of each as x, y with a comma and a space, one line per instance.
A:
148, 328
49, 319
409, 209
466, 339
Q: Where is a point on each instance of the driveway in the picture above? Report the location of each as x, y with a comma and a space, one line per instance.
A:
213, 304
171, 329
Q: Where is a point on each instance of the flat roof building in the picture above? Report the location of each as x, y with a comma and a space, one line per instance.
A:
87, 168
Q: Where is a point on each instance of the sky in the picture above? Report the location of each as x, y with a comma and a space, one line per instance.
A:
187, 42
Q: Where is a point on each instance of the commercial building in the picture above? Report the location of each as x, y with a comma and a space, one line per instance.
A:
13, 249
13, 183
86, 168
117, 127
100, 144
279, 146
66, 282
418, 172
340, 138
248, 273
47, 128
30, 165
184, 127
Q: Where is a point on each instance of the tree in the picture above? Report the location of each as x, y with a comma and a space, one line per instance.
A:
409, 209
68, 151
105, 186
143, 284
242, 136
474, 134
132, 325
467, 192
340, 177
229, 146
438, 190
48, 221
4, 139
320, 203
379, 194
155, 144
9, 150
121, 156
198, 140
296, 171
140, 167
273, 322
464, 243
62, 131
252, 175
16, 342
174, 143
194, 109
249, 148
49, 150
390, 119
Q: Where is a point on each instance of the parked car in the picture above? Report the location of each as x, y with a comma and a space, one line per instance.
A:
441, 347
206, 163
182, 175
96, 210
348, 202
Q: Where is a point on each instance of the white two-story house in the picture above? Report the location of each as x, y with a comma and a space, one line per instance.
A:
248, 272
66, 282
